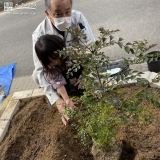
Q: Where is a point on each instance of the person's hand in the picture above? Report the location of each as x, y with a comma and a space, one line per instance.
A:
61, 108
78, 84
71, 104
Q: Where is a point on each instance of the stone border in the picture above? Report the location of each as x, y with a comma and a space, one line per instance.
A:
20, 98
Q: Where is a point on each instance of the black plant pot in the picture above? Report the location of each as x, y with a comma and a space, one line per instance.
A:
154, 64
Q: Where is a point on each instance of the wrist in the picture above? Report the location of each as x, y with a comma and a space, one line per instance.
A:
66, 100
59, 101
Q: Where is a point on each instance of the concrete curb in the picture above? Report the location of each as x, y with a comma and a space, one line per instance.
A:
20, 98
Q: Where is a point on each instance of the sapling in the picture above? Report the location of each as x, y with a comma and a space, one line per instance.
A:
104, 107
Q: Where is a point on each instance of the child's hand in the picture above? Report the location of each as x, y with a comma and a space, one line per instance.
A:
61, 108
70, 104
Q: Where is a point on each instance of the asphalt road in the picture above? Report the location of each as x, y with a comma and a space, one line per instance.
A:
137, 20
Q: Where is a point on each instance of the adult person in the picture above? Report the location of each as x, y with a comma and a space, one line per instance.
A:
59, 16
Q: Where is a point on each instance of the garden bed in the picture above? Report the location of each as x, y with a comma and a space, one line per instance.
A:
36, 132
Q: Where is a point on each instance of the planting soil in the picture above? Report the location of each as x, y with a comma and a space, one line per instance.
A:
37, 133
141, 142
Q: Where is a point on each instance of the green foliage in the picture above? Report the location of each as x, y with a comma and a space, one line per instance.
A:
104, 107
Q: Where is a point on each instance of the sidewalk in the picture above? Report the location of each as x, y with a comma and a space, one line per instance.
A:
22, 84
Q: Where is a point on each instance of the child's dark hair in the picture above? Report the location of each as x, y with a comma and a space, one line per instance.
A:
45, 48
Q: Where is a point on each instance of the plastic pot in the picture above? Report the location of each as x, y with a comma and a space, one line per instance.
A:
154, 64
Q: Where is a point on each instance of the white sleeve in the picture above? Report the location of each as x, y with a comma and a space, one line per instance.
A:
49, 91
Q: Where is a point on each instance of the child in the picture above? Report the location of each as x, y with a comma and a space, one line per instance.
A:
54, 70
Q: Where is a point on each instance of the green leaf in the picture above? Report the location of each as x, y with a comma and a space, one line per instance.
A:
129, 43
111, 37
97, 43
120, 44
127, 49
93, 74
132, 50
118, 78
75, 70
120, 39
78, 67
112, 42
71, 73
104, 39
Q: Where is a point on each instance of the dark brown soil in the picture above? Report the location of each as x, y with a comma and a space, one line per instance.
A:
141, 142
37, 133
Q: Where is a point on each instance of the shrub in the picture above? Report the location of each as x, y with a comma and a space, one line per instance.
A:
104, 107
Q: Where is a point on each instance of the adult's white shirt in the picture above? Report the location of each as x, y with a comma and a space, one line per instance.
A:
46, 27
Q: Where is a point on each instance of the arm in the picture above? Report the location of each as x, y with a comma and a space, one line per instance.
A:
58, 83
62, 91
